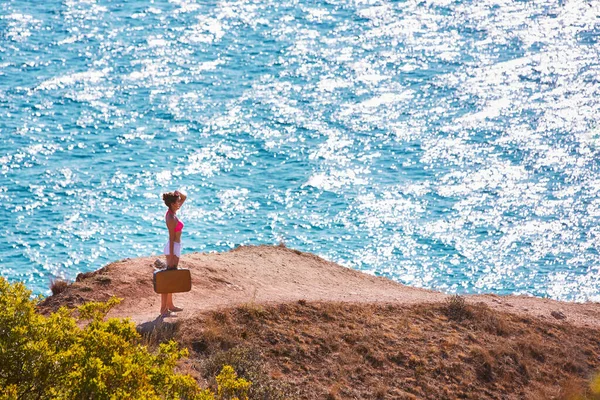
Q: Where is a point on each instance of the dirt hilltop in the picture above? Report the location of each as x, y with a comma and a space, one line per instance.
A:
276, 274
301, 327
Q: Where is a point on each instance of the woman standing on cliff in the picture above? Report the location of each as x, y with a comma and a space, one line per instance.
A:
174, 201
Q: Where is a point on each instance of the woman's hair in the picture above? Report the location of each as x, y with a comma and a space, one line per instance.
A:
169, 198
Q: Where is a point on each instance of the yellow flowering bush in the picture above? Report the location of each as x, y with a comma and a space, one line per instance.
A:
230, 386
83, 355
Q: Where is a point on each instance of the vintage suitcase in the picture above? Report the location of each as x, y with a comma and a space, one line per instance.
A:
172, 281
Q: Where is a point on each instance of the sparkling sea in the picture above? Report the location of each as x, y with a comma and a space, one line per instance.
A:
452, 145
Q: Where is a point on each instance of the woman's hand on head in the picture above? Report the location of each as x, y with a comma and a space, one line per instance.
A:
181, 196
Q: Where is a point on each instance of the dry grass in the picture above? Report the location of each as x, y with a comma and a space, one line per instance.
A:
456, 308
103, 279
338, 350
158, 332
58, 286
220, 338
88, 286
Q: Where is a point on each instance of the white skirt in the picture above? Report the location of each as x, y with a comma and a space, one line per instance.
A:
176, 249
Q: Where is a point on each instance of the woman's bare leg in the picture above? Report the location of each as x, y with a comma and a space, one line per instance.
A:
170, 305
166, 299
164, 308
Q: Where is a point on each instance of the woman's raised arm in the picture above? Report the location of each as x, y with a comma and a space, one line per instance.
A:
182, 196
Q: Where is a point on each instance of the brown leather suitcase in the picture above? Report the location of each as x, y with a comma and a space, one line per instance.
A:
172, 281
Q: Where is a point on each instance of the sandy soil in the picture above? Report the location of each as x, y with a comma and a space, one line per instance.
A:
269, 274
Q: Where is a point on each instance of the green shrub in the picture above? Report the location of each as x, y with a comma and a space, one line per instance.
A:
63, 356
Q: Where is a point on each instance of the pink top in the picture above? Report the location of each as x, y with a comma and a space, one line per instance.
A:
179, 226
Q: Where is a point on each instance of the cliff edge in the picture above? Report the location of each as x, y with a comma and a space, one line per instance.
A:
276, 274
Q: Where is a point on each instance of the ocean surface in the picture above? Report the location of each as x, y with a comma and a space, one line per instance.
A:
452, 145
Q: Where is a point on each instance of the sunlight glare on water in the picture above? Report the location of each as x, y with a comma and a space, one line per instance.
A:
451, 145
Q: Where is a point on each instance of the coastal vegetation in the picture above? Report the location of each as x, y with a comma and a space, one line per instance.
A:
79, 354
249, 318
384, 351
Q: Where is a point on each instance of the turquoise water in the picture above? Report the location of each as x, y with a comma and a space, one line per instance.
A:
451, 145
